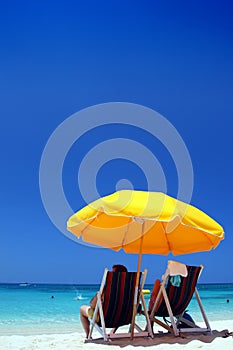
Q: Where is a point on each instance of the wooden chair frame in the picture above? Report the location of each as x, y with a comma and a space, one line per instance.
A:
99, 311
176, 319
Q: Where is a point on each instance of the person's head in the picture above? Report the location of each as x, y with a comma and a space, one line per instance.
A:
119, 268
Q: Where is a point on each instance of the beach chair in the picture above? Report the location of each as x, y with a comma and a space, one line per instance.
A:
115, 303
175, 293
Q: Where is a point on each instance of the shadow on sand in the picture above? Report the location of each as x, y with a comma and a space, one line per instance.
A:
165, 338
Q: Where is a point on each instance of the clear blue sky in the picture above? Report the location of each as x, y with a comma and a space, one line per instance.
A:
58, 57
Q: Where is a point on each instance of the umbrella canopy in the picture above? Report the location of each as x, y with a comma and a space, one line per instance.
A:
169, 225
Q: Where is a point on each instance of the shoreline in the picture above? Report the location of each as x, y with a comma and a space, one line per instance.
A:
221, 337
47, 329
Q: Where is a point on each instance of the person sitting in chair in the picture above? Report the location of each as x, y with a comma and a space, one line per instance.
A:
87, 311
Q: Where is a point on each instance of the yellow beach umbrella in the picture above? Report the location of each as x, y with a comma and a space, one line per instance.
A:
145, 222
115, 222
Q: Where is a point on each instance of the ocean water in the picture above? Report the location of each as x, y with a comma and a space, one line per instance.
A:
43, 308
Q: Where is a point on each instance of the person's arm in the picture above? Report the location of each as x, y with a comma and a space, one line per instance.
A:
93, 302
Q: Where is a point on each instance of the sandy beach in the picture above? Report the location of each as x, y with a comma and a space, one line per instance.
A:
221, 338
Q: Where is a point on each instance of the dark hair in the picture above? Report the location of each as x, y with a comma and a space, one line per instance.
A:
119, 268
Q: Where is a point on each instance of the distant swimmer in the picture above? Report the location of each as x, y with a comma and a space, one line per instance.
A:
228, 300
79, 296
52, 297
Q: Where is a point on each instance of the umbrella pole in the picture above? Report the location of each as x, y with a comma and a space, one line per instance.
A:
137, 284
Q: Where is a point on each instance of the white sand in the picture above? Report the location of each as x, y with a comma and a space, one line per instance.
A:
74, 341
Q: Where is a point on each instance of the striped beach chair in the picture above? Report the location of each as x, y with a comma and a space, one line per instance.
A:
115, 302
172, 301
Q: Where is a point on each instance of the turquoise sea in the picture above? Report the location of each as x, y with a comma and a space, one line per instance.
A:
42, 308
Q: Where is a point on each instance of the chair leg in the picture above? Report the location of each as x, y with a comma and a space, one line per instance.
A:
162, 324
148, 322
174, 327
202, 310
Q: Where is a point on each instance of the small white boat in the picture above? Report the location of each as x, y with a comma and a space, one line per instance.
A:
25, 284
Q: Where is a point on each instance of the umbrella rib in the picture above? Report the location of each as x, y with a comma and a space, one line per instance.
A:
164, 230
208, 238
94, 218
126, 231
